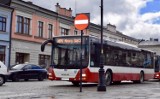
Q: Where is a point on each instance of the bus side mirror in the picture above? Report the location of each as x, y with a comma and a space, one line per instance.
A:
45, 43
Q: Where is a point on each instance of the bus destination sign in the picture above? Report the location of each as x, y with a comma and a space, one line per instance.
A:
69, 41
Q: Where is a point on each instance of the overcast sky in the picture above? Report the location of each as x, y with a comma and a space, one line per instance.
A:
136, 18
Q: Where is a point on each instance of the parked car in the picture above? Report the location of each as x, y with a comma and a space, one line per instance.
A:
3, 73
26, 72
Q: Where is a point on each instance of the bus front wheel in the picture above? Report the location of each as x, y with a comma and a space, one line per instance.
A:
108, 78
75, 83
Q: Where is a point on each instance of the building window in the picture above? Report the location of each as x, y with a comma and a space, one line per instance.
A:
75, 32
2, 53
50, 30
40, 29
2, 24
19, 24
64, 31
44, 60
26, 25
22, 58
23, 25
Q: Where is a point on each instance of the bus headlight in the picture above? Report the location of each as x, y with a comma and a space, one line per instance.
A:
50, 74
83, 75
157, 75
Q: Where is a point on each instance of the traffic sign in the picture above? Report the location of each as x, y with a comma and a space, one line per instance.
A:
81, 21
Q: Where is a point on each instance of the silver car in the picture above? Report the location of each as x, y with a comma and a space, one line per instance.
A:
3, 73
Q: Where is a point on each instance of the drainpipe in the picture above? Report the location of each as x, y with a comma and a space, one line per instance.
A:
10, 40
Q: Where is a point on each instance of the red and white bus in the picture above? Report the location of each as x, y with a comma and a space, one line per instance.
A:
157, 68
122, 61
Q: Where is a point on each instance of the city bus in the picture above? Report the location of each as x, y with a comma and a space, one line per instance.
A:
157, 68
122, 61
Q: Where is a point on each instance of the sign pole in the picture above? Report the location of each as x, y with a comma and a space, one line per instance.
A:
81, 22
81, 62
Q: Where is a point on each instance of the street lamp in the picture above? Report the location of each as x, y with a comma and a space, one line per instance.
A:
101, 85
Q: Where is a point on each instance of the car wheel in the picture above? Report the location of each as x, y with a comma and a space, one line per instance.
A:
2, 81
26, 79
15, 78
40, 78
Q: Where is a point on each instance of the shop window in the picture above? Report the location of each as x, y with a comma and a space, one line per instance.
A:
2, 53
44, 60
22, 58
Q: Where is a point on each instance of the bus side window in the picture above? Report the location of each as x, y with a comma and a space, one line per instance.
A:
95, 55
92, 51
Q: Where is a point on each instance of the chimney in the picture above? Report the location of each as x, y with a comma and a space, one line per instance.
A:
57, 7
151, 39
63, 11
111, 28
156, 39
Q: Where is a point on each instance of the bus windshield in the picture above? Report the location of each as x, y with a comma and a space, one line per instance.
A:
68, 56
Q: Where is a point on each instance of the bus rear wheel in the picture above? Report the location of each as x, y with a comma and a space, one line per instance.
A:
141, 79
108, 78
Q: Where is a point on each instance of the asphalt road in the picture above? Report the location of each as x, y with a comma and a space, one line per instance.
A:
65, 90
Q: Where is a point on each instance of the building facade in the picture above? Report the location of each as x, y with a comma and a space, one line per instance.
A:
32, 25
5, 33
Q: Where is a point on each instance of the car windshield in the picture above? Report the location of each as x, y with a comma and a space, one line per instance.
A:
18, 67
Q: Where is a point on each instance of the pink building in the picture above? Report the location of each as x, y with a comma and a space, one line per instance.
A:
32, 25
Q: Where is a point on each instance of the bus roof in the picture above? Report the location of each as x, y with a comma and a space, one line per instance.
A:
119, 44
122, 45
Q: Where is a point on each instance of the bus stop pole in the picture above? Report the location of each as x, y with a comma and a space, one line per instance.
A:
81, 62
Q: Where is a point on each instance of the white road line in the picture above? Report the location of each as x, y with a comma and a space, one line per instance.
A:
12, 94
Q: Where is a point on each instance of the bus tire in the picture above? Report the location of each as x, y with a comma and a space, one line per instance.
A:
75, 83
108, 78
117, 82
141, 80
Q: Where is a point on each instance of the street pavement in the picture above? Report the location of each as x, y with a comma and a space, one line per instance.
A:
65, 90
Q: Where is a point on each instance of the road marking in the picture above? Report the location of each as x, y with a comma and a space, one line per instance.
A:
13, 95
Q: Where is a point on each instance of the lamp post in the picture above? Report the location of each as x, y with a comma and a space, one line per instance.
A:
101, 85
